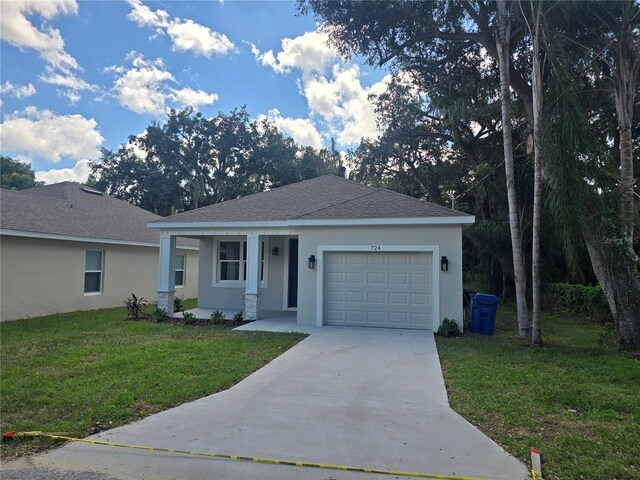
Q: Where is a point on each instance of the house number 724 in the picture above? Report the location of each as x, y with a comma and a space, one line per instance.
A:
375, 248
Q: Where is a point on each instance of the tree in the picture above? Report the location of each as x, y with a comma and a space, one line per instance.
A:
504, 55
189, 161
16, 175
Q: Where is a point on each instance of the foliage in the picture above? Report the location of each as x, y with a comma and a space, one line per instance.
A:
217, 317
238, 317
178, 304
449, 328
577, 301
190, 161
189, 318
159, 315
16, 175
523, 397
135, 307
109, 373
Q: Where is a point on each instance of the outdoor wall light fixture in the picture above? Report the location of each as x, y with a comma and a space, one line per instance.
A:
444, 264
312, 262
274, 252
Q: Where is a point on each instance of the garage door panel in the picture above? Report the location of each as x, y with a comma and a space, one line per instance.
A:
376, 279
391, 289
398, 259
399, 299
376, 297
398, 279
377, 317
399, 319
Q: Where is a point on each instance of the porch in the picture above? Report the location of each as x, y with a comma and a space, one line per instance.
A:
270, 320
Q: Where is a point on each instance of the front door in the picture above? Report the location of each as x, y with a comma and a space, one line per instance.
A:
292, 296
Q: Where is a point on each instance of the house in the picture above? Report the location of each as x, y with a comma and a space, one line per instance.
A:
67, 247
335, 251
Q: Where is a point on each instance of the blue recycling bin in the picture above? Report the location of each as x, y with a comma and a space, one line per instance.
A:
483, 313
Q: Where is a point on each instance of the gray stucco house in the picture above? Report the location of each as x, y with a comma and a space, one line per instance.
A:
335, 251
67, 247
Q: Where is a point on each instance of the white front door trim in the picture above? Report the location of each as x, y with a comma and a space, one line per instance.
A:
433, 249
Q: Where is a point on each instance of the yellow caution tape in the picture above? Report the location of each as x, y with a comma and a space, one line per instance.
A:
272, 461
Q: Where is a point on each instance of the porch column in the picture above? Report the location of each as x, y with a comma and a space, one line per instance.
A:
166, 272
252, 292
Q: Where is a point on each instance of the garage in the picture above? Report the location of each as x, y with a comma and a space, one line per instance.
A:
378, 289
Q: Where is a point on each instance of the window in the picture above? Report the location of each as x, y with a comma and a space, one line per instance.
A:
180, 268
231, 257
93, 264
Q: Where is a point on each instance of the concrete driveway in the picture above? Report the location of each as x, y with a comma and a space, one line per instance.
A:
372, 398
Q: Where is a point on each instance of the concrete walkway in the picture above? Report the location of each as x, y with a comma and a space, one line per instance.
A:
371, 398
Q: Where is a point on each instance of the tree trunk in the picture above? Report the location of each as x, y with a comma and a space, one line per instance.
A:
516, 237
619, 278
625, 80
537, 93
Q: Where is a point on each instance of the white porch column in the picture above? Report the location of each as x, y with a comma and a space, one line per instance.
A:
252, 292
166, 272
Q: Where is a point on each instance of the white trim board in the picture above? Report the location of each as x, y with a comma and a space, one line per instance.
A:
72, 238
193, 226
435, 270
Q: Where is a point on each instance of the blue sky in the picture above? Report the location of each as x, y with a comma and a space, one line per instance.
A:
80, 75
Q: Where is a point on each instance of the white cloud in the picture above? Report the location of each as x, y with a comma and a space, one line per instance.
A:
41, 133
185, 35
344, 104
79, 173
18, 91
301, 130
187, 97
17, 29
337, 100
309, 52
144, 88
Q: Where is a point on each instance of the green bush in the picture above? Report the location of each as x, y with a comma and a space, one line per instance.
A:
217, 317
449, 328
577, 301
178, 304
189, 318
238, 317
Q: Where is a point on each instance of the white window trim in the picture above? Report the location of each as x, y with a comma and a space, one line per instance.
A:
264, 244
435, 272
101, 272
183, 270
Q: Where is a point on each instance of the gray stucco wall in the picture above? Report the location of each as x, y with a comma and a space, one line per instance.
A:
42, 277
447, 237
215, 294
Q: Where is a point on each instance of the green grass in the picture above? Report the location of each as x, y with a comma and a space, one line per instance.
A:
521, 396
82, 372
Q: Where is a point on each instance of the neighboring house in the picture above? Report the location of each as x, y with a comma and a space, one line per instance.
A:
67, 247
338, 252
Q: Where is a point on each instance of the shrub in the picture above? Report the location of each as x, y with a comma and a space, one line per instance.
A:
238, 317
189, 318
159, 315
178, 304
577, 301
217, 317
449, 328
135, 307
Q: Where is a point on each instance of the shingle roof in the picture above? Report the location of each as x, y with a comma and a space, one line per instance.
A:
327, 197
71, 209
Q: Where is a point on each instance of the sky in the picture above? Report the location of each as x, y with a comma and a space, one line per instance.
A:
78, 76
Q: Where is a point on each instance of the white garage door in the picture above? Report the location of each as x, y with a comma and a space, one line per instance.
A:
377, 289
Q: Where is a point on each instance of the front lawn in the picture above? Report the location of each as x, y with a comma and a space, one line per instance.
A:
83, 372
576, 401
